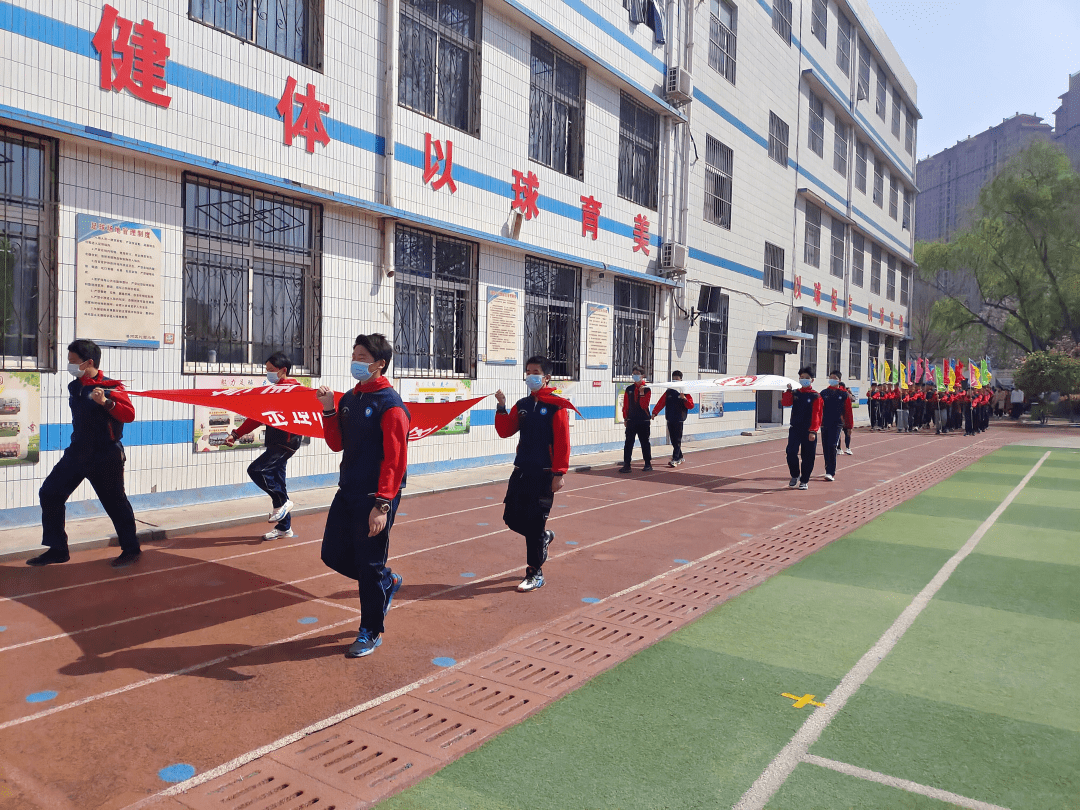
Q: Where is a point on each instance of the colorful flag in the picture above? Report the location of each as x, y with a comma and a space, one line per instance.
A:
948, 373
896, 372
903, 380
959, 371
984, 372
919, 371
976, 374
939, 378
931, 374
886, 372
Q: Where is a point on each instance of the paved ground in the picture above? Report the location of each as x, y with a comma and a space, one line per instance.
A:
220, 656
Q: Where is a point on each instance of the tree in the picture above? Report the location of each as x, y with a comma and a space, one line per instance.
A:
1016, 271
1044, 372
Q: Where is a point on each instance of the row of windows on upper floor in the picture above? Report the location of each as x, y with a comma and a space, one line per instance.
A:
834, 337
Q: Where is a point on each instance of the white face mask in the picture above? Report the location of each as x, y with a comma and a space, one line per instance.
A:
75, 369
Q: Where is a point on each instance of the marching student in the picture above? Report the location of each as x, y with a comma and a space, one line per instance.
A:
99, 410
371, 425
804, 422
835, 414
268, 470
674, 404
543, 456
635, 411
849, 424
903, 413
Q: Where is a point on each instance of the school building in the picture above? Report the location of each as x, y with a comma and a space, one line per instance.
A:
722, 187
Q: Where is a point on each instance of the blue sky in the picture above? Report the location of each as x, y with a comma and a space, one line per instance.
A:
978, 61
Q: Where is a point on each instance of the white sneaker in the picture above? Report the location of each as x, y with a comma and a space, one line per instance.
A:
274, 534
848, 452
803, 485
280, 512
830, 477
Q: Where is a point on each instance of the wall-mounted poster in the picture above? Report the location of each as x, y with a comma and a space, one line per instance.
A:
20, 417
212, 425
711, 404
502, 326
854, 389
597, 335
439, 391
118, 267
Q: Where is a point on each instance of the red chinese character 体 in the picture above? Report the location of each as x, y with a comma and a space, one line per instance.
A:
834, 294
308, 124
881, 316
850, 305
796, 286
143, 54
817, 292
590, 215
526, 191
641, 234
433, 156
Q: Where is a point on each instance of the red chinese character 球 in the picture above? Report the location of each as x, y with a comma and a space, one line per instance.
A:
641, 234
308, 124
526, 192
433, 156
590, 215
143, 54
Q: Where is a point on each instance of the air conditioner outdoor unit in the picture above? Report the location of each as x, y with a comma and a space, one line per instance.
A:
672, 256
680, 86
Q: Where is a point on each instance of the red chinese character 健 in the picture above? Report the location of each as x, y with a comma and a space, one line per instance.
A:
140, 67
308, 124
590, 215
526, 192
641, 234
433, 156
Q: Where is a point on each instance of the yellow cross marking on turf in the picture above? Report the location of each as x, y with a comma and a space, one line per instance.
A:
800, 702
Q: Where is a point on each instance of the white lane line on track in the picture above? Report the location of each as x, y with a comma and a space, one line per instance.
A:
778, 771
901, 784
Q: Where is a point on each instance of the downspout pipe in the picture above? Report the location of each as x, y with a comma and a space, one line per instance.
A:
391, 46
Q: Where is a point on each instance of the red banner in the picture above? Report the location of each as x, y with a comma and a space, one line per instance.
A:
294, 408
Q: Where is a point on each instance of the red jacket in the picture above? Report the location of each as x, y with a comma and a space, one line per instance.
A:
506, 425
662, 402
815, 416
122, 410
250, 424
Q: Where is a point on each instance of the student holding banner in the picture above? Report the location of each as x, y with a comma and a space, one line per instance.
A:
835, 415
805, 421
638, 420
675, 405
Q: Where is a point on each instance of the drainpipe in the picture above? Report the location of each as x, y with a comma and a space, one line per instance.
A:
389, 121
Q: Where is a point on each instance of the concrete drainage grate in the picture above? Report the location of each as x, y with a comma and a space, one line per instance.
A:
267, 786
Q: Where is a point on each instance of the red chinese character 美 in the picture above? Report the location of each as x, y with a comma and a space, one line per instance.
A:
834, 294
590, 215
431, 163
140, 67
308, 124
526, 191
796, 286
817, 292
641, 234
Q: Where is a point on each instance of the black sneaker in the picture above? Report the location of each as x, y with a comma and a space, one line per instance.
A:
647, 468
365, 644
126, 558
624, 468
395, 586
549, 538
49, 557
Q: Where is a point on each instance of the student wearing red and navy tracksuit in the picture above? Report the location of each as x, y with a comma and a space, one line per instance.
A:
268, 470
371, 425
99, 410
675, 405
638, 420
805, 420
835, 413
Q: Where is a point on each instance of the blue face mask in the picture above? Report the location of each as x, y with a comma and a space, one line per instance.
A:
805, 382
635, 377
833, 383
360, 371
272, 377
535, 382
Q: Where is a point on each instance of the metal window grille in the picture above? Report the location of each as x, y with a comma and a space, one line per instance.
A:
29, 286
774, 267
894, 195
252, 279
909, 133
778, 139
439, 61
905, 284
875, 269
808, 351
635, 324
553, 314
839, 244
435, 293
860, 166
723, 27
879, 183
816, 136
833, 342
890, 277
719, 164
889, 350
907, 210
289, 28
639, 153
556, 111
843, 43
713, 339
781, 19
863, 90
896, 112
854, 364
812, 238
858, 258
873, 345
840, 148
882, 93
819, 20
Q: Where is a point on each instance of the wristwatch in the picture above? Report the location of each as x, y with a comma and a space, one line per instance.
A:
383, 506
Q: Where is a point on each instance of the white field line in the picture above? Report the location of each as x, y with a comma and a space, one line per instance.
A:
778, 771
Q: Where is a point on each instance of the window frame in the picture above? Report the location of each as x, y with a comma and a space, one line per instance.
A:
781, 21
894, 196
573, 147
717, 181
838, 247
890, 276
834, 343
773, 275
895, 126
854, 353
815, 138
863, 83
714, 325
879, 182
819, 21
776, 143
639, 320
723, 40
844, 33
858, 251
905, 284
808, 351
875, 268
840, 146
862, 150
542, 307
812, 235
314, 40
632, 143
909, 131
906, 222
882, 101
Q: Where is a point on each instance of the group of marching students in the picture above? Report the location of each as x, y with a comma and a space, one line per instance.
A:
919, 407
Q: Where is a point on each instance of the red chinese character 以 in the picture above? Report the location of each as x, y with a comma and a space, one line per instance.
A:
834, 293
431, 163
796, 286
140, 67
526, 192
817, 292
590, 215
308, 124
641, 234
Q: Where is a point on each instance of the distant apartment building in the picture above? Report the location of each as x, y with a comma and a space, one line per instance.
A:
1067, 121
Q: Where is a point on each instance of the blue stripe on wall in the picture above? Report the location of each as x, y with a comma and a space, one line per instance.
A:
136, 434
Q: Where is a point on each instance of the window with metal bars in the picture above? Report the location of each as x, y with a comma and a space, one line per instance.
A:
553, 314
28, 251
713, 339
808, 350
854, 363
289, 28
863, 89
889, 350
858, 258
905, 283
879, 182
860, 166
906, 224
719, 163
833, 342
781, 19
840, 147
439, 61
875, 269
839, 244
635, 324
896, 112
873, 347
723, 28
882, 93
778, 139
909, 133
894, 196
435, 294
639, 153
252, 279
774, 267
556, 111
843, 43
812, 236
819, 20
816, 130
890, 277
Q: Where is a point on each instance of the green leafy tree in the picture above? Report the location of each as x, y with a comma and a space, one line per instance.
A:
1044, 372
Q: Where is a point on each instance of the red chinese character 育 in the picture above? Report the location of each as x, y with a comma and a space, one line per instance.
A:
796, 286
308, 124
433, 156
817, 292
641, 234
143, 54
590, 215
526, 192
834, 294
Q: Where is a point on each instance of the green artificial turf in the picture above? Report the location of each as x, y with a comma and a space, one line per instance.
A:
1019, 586
811, 787
882, 566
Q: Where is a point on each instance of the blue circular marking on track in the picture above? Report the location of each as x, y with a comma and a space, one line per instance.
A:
468, 574
562, 506
702, 504
401, 514
681, 562
41, 697
176, 773
308, 620
489, 497
3, 627
571, 542
646, 521
481, 524
589, 600
744, 534
443, 661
